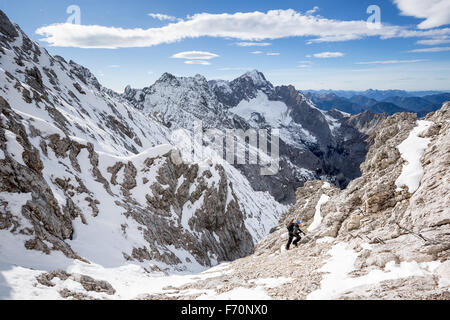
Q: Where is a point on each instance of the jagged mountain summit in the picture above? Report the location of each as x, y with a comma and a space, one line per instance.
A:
313, 144
245, 87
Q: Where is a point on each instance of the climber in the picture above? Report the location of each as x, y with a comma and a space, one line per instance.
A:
294, 232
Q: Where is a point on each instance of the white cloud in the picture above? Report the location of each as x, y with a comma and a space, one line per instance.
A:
247, 26
150, 72
114, 66
393, 61
433, 42
256, 52
163, 17
325, 55
201, 62
273, 53
435, 12
313, 10
195, 55
253, 44
434, 49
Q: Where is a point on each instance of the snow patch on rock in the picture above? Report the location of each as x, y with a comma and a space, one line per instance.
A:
412, 149
337, 279
318, 215
275, 113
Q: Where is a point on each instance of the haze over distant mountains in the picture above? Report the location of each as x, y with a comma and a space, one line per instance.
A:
377, 94
380, 101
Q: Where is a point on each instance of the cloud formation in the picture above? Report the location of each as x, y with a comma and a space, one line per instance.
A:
325, 55
434, 49
195, 55
433, 42
163, 17
247, 26
313, 10
435, 12
253, 44
200, 62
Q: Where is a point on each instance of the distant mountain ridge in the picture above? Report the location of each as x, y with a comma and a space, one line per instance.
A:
377, 94
379, 101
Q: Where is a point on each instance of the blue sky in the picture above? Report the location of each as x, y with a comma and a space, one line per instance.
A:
329, 47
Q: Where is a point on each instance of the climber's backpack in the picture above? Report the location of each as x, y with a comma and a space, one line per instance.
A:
290, 227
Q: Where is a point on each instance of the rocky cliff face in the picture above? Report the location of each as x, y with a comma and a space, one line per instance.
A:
367, 122
377, 239
89, 176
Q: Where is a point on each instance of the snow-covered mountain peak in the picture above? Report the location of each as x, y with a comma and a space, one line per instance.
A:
168, 78
253, 80
256, 77
172, 80
200, 78
180, 102
127, 89
245, 87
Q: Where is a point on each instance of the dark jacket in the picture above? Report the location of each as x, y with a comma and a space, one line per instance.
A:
294, 229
